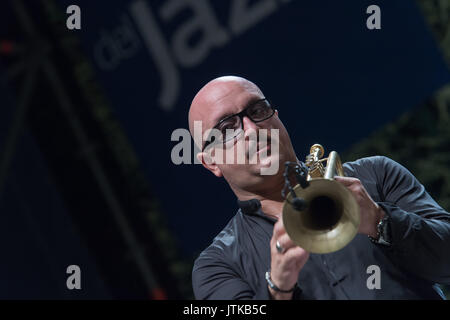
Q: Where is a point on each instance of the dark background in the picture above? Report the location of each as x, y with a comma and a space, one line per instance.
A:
86, 118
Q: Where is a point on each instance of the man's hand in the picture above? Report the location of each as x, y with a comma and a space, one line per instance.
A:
371, 213
286, 265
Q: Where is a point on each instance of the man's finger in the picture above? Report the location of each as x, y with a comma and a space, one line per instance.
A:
298, 254
285, 242
278, 229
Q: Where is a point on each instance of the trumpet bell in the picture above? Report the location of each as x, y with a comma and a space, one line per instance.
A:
329, 222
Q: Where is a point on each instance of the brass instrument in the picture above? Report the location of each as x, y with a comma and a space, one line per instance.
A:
320, 214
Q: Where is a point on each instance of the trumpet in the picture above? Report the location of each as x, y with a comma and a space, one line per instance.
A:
319, 214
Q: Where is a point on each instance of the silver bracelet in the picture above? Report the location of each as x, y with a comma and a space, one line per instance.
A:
274, 287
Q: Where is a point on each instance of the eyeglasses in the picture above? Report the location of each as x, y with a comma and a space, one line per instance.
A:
233, 125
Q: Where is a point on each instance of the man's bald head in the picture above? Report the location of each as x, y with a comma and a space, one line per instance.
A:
230, 95
217, 95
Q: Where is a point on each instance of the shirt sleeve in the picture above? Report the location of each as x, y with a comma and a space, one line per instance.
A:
419, 227
215, 279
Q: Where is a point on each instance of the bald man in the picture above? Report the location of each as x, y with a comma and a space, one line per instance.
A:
399, 252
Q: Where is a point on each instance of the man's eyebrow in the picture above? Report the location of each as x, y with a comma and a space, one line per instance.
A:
249, 102
253, 100
224, 116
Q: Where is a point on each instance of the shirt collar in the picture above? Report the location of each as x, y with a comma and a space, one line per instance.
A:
253, 207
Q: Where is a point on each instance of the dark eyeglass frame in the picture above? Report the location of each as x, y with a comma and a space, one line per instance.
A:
241, 116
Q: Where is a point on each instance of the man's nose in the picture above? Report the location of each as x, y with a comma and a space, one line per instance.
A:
249, 124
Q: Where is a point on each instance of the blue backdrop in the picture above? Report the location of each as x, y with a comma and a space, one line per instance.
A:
312, 59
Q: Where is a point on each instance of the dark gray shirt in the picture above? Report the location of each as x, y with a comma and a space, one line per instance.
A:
234, 265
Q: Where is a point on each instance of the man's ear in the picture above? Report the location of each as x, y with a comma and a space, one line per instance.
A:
209, 163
